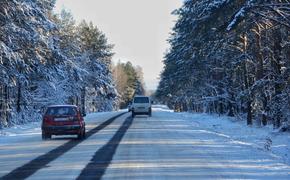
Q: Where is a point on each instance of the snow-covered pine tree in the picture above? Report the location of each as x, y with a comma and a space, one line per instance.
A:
27, 52
96, 60
230, 57
43, 62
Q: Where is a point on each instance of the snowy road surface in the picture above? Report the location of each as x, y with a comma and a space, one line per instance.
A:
164, 146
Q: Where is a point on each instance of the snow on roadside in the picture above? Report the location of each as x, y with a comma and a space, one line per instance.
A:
22, 130
34, 128
277, 144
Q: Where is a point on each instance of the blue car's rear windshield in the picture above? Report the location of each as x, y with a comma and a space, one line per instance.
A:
61, 111
141, 100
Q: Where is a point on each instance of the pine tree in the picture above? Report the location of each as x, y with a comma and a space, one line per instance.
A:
228, 57
45, 61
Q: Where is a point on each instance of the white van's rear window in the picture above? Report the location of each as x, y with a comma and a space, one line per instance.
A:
141, 100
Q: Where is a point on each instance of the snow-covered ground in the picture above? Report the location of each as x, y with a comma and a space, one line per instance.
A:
266, 139
167, 145
276, 143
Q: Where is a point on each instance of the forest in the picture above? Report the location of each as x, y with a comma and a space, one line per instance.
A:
48, 58
232, 58
129, 82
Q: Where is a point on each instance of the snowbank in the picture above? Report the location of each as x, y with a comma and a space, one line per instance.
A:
277, 144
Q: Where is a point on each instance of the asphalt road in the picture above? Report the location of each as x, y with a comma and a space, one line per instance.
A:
163, 146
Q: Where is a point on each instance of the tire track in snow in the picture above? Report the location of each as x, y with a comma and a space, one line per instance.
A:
103, 157
41, 161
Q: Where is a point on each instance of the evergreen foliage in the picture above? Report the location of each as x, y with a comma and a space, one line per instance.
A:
129, 82
230, 57
48, 59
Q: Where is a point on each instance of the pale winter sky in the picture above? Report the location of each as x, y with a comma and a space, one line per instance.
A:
138, 28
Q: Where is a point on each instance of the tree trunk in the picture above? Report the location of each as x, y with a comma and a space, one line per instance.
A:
221, 107
259, 94
264, 120
83, 100
249, 106
249, 113
258, 54
1, 106
6, 105
278, 86
18, 103
246, 81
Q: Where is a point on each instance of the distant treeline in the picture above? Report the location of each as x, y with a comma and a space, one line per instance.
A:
129, 82
230, 57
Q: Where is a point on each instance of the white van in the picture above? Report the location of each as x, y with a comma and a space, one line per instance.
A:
141, 105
